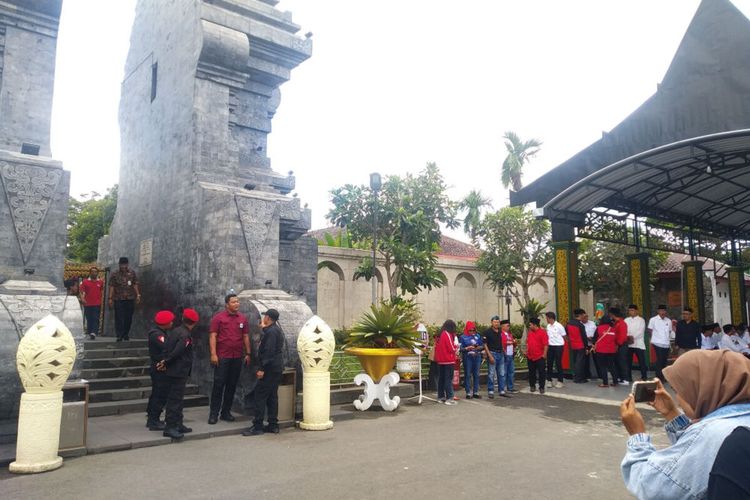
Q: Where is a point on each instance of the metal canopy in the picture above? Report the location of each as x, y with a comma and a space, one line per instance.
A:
703, 183
683, 156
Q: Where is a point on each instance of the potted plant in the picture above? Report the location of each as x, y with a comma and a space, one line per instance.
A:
382, 334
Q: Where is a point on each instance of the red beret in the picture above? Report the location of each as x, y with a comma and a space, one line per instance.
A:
163, 317
190, 315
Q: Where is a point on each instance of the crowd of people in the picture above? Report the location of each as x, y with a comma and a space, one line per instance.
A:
607, 349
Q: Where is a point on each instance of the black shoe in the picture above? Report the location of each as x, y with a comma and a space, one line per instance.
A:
184, 429
173, 433
212, 419
227, 417
156, 426
126, 338
119, 339
504, 395
532, 389
541, 390
274, 429
92, 336
252, 431
477, 396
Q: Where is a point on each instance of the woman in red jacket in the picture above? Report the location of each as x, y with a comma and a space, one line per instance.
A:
445, 357
605, 348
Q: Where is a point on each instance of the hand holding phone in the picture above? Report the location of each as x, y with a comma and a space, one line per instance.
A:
644, 392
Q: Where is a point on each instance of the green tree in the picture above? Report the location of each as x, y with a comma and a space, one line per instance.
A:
516, 251
88, 220
519, 153
603, 268
473, 203
410, 210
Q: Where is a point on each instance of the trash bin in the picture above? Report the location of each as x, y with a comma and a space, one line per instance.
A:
75, 415
287, 395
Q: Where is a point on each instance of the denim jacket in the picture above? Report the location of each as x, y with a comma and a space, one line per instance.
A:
681, 470
468, 340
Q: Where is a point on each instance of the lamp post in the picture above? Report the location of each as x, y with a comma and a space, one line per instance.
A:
375, 185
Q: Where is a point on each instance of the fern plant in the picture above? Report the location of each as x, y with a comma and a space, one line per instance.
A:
384, 325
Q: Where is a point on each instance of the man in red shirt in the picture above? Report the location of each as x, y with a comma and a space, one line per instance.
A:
536, 354
621, 338
91, 296
228, 339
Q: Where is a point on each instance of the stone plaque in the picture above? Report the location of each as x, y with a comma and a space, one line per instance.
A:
145, 253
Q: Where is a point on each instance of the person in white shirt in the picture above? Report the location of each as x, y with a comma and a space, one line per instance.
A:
660, 328
636, 341
732, 341
709, 341
556, 337
743, 332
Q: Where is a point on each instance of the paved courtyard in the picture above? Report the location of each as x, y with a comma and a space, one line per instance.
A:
526, 447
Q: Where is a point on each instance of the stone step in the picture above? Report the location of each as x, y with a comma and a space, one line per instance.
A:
110, 343
101, 384
114, 362
118, 352
138, 405
127, 371
130, 393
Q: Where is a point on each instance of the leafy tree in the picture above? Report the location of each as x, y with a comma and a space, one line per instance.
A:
409, 210
473, 203
341, 239
519, 153
603, 268
88, 220
516, 252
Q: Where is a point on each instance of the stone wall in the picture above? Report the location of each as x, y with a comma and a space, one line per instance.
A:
342, 299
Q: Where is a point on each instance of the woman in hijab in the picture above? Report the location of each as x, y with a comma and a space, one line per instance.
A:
713, 390
471, 350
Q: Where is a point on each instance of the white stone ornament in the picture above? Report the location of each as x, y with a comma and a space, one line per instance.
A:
315, 345
380, 391
44, 360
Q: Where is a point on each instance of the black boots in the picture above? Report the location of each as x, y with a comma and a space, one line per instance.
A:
173, 433
155, 425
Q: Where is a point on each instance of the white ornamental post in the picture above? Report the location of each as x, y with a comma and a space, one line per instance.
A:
44, 359
315, 345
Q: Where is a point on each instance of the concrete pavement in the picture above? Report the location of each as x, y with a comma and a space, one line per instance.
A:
530, 446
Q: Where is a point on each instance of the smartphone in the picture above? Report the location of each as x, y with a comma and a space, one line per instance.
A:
644, 391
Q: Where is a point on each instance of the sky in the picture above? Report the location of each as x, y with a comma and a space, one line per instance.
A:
394, 84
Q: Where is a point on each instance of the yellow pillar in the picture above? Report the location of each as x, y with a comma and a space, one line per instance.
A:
737, 296
640, 292
566, 279
692, 292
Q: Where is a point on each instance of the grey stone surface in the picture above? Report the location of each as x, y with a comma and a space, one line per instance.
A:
200, 89
34, 188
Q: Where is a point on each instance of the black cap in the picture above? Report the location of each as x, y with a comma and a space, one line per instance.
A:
495, 318
123, 260
661, 306
633, 306
272, 313
505, 322
534, 321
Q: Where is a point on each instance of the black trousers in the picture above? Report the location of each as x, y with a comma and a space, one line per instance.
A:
554, 359
175, 401
607, 365
580, 359
432, 377
226, 376
662, 355
158, 397
641, 355
123, 317
92, 318
623, 363
537, 371
267, 399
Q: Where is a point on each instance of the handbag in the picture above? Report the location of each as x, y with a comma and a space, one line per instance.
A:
631, 340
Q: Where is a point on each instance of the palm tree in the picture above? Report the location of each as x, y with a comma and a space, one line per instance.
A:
473, 204
519, 153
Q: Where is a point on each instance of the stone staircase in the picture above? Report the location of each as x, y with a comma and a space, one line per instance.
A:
118, 377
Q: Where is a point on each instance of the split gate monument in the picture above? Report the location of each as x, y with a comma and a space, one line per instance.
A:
34, 196
200, 211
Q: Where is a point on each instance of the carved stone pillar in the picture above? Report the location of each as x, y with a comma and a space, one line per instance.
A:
692, 289
737, 295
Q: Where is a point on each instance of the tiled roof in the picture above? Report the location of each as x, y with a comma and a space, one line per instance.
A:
449, 247
673, 265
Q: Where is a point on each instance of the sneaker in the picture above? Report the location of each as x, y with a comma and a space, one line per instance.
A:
541, 390
477, 396
513, 391
252, 431
92, 336
624, 382
273, 429
533, 389
603, 385
491, 395
504, 395
451, 402
441, 401
455, 398
559, 385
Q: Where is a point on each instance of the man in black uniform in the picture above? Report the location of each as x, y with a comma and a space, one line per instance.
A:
157, 338
271, 366
177, 363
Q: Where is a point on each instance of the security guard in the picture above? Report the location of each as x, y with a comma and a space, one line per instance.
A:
157, 338
178, 361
